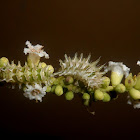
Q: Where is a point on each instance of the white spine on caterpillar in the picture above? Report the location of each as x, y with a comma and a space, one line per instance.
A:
81, 69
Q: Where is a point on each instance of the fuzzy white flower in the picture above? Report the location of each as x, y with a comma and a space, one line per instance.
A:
118, 70
35, 92
37, 49
138, 63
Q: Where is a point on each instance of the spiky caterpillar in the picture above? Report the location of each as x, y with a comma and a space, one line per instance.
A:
82, 69
13, 73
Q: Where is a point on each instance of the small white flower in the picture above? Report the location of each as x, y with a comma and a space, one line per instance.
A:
138, 63
37, 49
35, 92
119, 68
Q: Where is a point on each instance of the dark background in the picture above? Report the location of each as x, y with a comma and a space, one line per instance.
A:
106, 28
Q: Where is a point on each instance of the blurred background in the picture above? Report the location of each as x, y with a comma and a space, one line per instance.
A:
110, 29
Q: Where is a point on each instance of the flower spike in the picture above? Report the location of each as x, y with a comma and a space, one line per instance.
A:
76, 75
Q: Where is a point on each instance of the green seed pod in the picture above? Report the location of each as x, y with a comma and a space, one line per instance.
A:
58, 90
48, 89
69, 95
98, 95
3, 62
106, 97
130, 81
137, 85
135, 94
120, 88
105, 82
69, 80
86, 96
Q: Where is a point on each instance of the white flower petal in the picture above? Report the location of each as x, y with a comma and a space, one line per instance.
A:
37, 49
26, 51
118, 67
38, 89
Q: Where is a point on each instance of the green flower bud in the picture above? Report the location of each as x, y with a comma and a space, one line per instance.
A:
137, 85
73, 88
42, 64
53, 79
120, 88
98, 95
76, 89
51, 69
86, 102
135, 94
107, 89
90, 90
53, 88
70, 87
106, 97
58, 90
86, 96
69, 95
116, 78
130, 81
59, 80
3, 62
106, 82
48, 89
69, 80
